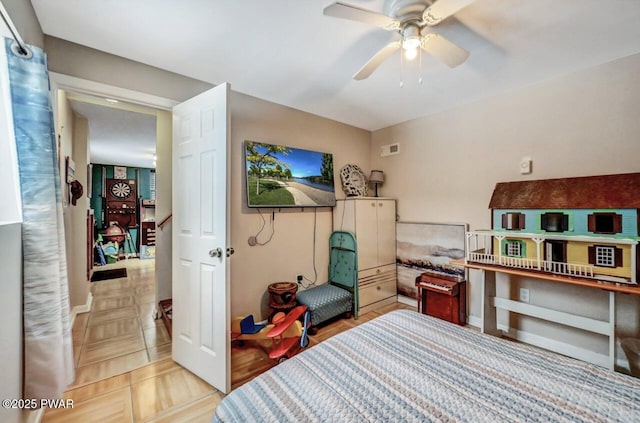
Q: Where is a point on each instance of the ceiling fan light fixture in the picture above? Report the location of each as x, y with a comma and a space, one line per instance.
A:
409, 18
411, 53
411, 43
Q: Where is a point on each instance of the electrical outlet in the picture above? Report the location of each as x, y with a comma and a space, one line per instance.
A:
299, 278
524, 295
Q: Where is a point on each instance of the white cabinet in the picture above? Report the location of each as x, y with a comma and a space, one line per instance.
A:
373, 221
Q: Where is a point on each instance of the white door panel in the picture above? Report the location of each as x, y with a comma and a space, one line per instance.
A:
201, 280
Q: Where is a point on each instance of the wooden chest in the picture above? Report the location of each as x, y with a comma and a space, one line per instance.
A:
442, 296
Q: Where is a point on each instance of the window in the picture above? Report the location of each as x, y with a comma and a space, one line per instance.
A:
513, 221
605, 256
152, 184
605, 223
514, 248
554, 222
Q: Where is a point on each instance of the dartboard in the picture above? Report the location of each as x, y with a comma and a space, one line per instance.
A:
121, 190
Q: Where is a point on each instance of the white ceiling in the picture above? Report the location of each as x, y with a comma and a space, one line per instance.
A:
287, 52
118, 137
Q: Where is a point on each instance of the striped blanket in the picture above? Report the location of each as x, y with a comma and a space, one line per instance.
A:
408, 367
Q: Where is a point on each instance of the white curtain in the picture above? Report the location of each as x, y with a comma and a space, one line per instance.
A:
48, 347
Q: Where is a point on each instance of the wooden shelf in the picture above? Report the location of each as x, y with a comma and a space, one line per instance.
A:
490, 303
589, 283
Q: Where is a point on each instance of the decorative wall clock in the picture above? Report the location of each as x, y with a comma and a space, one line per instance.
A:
119, 172
354, 181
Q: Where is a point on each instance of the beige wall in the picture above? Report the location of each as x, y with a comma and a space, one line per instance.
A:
83, 62
73, 133
585, 123
290, 252
25, 20
79, 285
163, 203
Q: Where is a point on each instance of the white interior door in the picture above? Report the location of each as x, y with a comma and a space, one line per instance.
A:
200, 279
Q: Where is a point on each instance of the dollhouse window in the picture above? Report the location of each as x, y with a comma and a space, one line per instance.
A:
514, 248
513, 221
554, 222
605, 223
605, 256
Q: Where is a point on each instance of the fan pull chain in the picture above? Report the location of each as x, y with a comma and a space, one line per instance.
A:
401, 68
420, 66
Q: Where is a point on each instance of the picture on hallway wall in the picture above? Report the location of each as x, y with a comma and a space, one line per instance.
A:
280, 176
427, 246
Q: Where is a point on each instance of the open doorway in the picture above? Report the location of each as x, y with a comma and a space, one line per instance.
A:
119, 330
212, 107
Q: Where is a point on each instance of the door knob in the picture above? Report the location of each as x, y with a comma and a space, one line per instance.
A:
215, 253
230, 251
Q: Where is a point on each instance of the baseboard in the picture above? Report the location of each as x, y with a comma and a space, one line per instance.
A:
84, 308
35, 416
556, 346
408, 301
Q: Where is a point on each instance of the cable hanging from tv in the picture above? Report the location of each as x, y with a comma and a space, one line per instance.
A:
253, 240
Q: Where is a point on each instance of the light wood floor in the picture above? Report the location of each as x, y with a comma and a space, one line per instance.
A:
116, 384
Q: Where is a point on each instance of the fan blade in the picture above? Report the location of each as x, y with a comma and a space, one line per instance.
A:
376, 60
442, 9
345, 11
444, 50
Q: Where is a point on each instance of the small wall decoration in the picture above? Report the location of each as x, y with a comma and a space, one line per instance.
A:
119, 172
427, 246
70, 169
354, 181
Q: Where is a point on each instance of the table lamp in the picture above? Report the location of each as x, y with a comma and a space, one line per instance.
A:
376, 178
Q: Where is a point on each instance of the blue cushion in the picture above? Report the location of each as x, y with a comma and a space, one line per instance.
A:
325, 301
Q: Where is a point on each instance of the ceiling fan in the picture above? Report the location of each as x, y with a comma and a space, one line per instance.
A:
409, 18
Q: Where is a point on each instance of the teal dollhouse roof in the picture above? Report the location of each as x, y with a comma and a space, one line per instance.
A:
589, 192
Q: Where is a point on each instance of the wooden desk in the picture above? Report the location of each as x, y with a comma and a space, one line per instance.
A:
490, 303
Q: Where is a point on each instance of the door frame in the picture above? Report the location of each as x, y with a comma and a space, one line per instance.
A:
84, 86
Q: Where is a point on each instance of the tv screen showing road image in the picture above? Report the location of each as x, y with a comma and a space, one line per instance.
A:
279, 176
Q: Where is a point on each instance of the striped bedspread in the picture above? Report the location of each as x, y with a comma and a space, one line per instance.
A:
408, 367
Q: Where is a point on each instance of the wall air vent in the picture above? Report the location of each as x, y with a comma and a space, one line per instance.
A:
389, 149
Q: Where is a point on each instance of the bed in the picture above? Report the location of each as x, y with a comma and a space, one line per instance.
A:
408, 367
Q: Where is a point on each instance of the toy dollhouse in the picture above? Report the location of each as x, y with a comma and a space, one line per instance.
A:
587, 227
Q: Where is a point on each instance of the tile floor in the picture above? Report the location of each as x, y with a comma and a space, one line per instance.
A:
120, 333
159, 392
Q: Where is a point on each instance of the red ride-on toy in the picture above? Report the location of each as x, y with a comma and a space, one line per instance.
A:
288, 335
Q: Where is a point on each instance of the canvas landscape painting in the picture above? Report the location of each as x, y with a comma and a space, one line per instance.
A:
280, 176
427, 246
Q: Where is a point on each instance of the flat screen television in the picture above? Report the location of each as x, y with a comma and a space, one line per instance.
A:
280, 176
